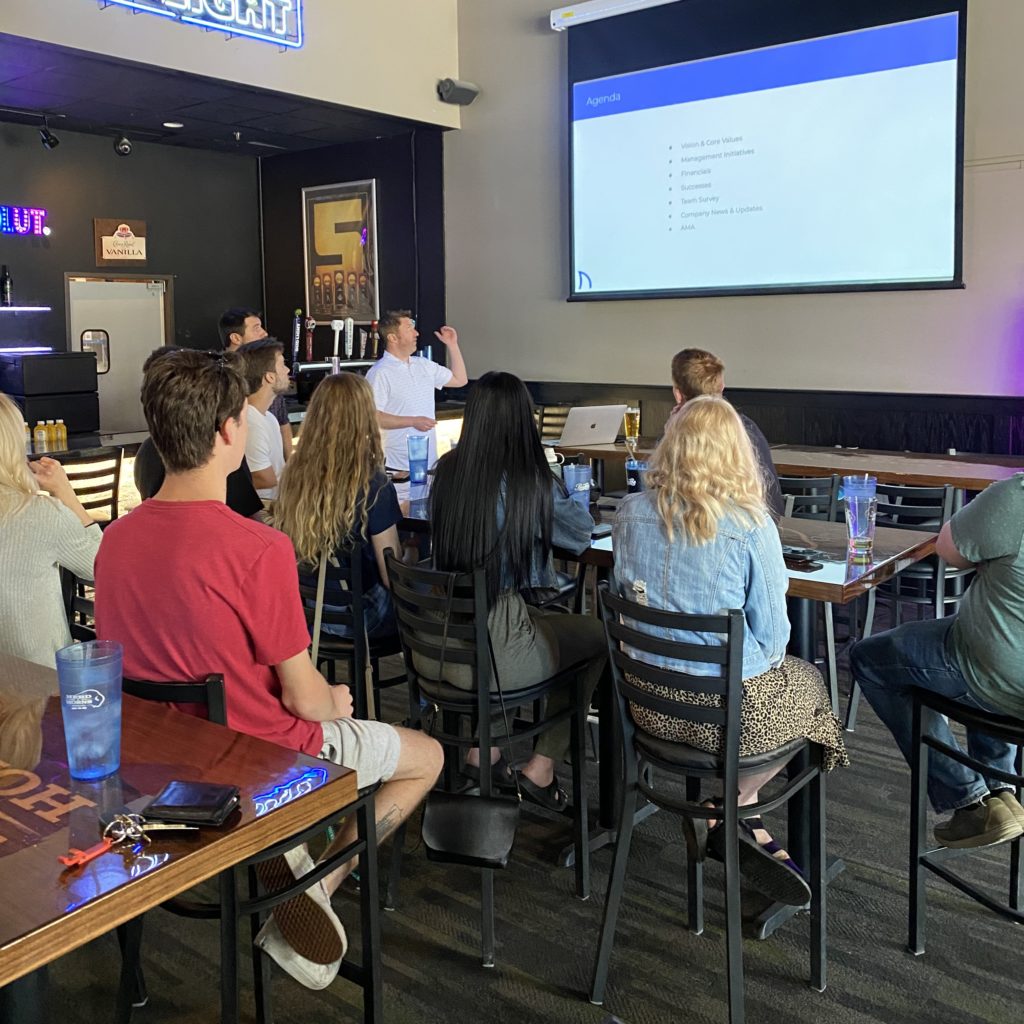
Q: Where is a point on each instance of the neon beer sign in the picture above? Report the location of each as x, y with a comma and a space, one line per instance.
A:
23, 220
270, 21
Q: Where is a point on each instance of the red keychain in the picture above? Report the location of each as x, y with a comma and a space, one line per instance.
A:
76, 858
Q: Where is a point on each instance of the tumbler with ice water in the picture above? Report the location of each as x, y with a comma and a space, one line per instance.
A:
419, 446
89, 675
861, 508
577, 482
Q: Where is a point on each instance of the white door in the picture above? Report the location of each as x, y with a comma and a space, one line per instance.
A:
122, 322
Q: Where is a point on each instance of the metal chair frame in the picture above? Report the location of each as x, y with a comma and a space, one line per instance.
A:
96, 481
642, 763
922, 858
230, 909
429, 623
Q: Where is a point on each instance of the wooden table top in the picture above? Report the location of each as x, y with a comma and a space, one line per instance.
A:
971, 472
48, 910
838, 581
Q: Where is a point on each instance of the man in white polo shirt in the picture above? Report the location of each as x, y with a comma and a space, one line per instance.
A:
266, 377
403, 387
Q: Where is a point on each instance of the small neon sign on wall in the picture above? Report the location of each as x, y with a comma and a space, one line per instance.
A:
23, 220
270, 21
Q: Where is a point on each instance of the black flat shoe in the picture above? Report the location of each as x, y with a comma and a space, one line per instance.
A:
553, 797
502, 776
765, 873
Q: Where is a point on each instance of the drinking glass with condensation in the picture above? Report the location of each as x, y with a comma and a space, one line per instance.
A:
89, 676
859, 494
632, 424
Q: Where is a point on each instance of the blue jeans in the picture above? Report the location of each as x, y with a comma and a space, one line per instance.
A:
917, 654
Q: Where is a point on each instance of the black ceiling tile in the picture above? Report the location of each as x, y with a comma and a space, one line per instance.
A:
287, 124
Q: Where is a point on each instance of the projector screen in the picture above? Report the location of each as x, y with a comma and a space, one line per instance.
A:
820, 161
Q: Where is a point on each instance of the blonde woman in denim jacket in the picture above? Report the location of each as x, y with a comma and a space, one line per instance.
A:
699, 540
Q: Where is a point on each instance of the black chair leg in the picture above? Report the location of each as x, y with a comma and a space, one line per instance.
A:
260, 963
395, 868
487, 917
918, 827
228, 947
581, 839
733, 926
372, 975
616, 883
1015, 879
819, 885
694, 870
131, 990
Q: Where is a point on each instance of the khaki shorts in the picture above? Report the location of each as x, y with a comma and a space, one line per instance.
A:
370, 749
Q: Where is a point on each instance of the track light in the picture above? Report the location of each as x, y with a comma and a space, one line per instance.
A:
47, 138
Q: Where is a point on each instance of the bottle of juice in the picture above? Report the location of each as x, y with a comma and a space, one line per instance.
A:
28, 438
62, 436
40, 438
51, 435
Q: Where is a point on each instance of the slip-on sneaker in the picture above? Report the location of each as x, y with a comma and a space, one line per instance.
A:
1011, 801
312, 938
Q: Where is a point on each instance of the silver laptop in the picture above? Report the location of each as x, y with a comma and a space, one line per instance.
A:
591, 424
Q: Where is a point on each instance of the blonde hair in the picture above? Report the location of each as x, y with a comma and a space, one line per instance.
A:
325, 484
704, 470
17, 484
21, 733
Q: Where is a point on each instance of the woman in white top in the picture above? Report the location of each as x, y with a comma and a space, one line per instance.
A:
39, 532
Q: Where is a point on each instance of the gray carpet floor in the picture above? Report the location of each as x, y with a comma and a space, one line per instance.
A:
660, 973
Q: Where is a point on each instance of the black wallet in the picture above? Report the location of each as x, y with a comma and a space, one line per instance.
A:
192, 803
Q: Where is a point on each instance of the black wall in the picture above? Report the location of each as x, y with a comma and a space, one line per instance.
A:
410, 251
202, 217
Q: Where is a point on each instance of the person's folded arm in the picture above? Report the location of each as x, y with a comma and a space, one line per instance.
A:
307, 695
947, 550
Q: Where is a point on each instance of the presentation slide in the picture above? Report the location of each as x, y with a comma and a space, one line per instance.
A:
828, 162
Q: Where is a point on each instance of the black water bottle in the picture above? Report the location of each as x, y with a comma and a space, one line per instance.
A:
6, 287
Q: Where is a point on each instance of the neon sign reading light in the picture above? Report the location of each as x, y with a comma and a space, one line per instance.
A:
270, 21
23, 220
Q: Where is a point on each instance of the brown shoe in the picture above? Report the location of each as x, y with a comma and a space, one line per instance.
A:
1007, 797
982, 825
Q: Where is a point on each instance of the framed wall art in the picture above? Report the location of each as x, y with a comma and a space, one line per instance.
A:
339, 224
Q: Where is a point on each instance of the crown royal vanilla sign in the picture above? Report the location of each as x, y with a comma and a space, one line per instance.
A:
120, 243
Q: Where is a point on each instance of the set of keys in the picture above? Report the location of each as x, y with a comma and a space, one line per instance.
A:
122, 828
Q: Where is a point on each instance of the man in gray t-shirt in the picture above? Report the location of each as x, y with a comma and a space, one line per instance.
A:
975, 657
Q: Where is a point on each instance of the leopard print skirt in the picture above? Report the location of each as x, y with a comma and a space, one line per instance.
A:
781, 705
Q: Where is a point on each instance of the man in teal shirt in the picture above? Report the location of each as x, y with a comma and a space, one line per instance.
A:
975, 656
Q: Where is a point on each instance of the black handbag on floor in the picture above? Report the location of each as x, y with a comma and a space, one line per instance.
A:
463, 828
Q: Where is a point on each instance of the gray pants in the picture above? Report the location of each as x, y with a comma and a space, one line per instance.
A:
533, 644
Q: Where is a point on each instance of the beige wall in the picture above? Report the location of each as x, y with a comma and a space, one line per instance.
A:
381, 55
507, 240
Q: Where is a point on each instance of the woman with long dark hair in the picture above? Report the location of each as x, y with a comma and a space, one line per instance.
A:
496, 504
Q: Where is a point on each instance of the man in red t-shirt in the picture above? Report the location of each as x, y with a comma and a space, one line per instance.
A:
176, 584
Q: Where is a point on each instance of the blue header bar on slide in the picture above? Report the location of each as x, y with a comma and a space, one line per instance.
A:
927, 41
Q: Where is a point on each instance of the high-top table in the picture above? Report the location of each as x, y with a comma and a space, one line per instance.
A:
48, 910
965, 472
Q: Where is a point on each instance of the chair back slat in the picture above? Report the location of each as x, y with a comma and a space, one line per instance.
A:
95, 476
810, 497
914, 508
726, 684
209, 693
676, 649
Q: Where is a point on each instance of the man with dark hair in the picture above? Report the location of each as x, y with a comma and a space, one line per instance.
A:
403, 387
696, 372
238, 326
266, 376
202, 618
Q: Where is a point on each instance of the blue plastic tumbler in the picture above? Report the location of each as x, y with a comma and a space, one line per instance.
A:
636, 470
89, 675
577, 482
419, 446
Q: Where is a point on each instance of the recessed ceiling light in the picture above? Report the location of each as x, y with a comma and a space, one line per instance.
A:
173, 124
